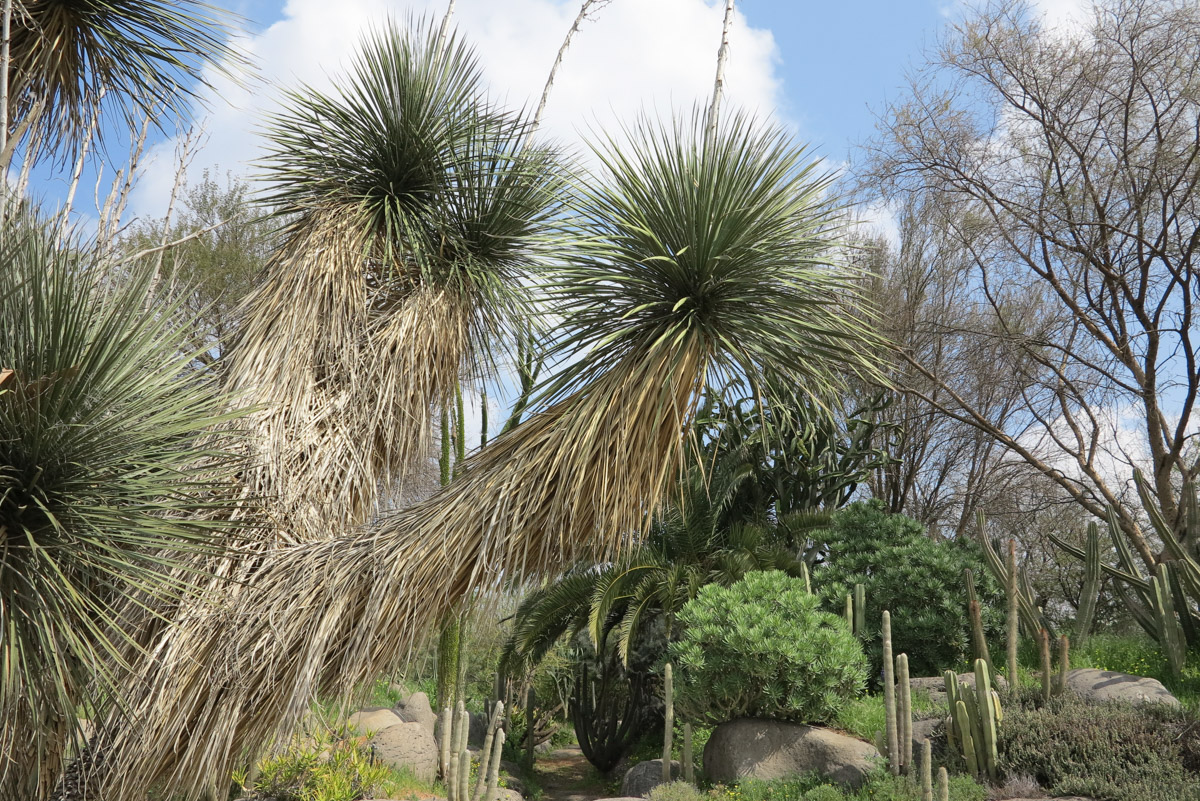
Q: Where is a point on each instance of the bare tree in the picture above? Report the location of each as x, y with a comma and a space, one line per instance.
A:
1073, 163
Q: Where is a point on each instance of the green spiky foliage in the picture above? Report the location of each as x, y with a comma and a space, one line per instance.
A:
139, 58
699, 259
418, 214
106, 477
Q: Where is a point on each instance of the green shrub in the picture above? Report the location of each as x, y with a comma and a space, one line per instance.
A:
326, 769
919, 580
1114, 750
676, 791
763, 648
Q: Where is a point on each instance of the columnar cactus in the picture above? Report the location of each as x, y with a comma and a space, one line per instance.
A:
897, 700
973, 724
1014, 618
1090, 591
889, 697
926, 771
1044, 651
943, 785
977, 635
1170, 632
1064, 662
489, 757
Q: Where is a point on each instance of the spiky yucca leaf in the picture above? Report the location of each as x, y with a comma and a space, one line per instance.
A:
143, 57
694, 269
106, 472
418, 212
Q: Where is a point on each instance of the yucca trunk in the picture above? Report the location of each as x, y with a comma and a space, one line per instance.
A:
323, 617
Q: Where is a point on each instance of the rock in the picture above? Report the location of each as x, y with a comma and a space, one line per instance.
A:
1093, 684
935, 686
398, 743
373, 719
771, 749
930, 729
416, 709
508, 794
645, 776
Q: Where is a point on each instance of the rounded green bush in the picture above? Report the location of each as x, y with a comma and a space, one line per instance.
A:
763, 648
918, 579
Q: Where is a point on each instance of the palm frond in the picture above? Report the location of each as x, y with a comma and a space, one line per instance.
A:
109, 482
140, 57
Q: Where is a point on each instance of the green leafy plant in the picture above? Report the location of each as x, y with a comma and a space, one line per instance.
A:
763, 648
326, 768
676, 791
918, 579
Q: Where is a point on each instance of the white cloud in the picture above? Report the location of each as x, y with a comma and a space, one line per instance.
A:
634, 56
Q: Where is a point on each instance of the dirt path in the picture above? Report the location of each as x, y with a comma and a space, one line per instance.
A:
566, 775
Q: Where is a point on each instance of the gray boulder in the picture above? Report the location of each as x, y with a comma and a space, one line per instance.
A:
1093, 684
508, 794
416, 709
645, 776
749, 748
398, 743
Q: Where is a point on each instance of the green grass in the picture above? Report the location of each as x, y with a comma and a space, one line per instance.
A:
864, 716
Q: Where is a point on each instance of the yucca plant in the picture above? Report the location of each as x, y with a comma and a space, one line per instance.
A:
141, 58
698, 258
107, 474
418, 211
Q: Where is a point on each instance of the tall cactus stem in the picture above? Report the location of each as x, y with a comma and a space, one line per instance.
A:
966, 740
860, 610
493, 779
943, 785
988, 715
1089, 592
850, 613
926, 771
668, 721
889, 697
1014, 616
1064, 662
462, 792
444, 746
904, 713
1044, 650
485, 755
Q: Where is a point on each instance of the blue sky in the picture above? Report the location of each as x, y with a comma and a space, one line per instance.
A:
839, 62
822, 69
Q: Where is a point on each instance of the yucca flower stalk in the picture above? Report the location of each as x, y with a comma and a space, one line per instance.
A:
699, 258
418, 213
109, 481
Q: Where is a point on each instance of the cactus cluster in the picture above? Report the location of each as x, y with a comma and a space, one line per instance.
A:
974, 721
456, 759
1161, 602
